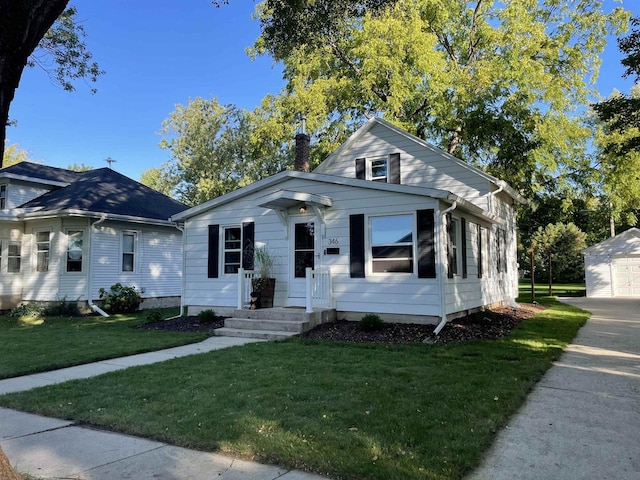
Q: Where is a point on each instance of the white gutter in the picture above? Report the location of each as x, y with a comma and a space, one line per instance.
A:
184, 266
492, 196
92, 305
443, 301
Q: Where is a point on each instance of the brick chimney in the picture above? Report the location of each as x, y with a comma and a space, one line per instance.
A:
303, 145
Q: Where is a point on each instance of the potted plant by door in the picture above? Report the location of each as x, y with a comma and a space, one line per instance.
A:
265, 284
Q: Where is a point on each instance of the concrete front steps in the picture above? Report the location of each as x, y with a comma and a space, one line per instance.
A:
274, 323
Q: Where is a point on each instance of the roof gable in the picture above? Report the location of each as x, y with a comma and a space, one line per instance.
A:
376, 123
36, 173
627, 242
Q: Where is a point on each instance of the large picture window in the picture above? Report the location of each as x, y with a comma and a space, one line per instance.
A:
14, 257
129, 240
392, 244
75, 239
43, 248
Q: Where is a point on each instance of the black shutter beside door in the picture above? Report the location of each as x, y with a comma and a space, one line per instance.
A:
248, 244
214, 249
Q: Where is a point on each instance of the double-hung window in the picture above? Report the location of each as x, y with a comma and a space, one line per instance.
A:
378, 168
74, 250
14, 255
3, 197
392, 244
43, 249
232, 249
129, 241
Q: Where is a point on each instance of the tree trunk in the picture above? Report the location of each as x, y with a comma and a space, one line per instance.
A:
23, 23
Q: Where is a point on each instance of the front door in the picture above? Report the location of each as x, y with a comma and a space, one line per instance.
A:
303, 254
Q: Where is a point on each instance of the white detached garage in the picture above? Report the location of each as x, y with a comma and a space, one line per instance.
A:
612, 267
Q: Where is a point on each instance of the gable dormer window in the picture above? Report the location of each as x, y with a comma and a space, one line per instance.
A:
382, 168
3, 197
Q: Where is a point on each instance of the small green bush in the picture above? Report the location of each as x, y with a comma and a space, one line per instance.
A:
62, 308
120, 299
207, 316
28, 310
371, 322
154, 316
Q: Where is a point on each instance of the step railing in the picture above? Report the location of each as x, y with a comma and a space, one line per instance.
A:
318, 283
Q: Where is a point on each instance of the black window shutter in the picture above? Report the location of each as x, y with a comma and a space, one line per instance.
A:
360, 168
504, 250
214, 247
450, 257
248, 242
426, 244
356, 246
394, 168
499, 250
463, 245
480, 252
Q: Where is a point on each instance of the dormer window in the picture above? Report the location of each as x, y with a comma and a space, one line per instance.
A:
382, 168
3, 197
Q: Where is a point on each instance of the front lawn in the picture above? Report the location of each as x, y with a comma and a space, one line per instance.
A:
31, 345
354, 411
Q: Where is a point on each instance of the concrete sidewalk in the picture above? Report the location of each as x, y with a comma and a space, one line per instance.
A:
582, 421
51, 448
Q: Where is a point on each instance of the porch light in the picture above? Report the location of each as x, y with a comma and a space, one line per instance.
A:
303, 210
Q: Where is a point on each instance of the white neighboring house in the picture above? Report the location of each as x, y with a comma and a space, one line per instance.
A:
66, 234
401, 228
612, 267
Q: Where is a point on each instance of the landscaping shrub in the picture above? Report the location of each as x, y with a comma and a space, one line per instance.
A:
371, 322
154, 316
32, 310
207, 316
62, 308
120, 299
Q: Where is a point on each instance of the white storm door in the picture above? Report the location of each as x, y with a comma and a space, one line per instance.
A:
303, 252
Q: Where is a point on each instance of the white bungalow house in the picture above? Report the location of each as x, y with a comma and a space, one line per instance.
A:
612, 267
66, 234
388, 224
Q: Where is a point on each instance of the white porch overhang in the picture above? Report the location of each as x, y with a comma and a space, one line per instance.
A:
281, 201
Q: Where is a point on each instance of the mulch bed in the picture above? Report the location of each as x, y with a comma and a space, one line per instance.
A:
496, 323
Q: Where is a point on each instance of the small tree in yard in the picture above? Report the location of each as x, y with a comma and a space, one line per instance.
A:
556, 250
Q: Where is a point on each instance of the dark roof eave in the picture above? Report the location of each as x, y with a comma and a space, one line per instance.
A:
40, 214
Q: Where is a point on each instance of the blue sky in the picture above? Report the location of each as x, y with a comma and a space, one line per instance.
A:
158, 54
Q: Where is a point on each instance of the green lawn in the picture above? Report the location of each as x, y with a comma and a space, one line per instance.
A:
542, 290
34, 345
343, 410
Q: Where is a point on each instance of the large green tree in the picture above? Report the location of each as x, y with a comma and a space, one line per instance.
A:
34, 33
214, 150
556, 250
621, 112
497, 83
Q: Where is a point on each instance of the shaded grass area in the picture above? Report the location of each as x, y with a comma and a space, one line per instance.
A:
542, 290
31, 345
353, 411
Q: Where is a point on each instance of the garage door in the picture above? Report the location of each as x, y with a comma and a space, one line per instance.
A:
626, 276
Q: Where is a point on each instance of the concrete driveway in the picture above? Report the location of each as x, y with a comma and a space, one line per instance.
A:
582, 421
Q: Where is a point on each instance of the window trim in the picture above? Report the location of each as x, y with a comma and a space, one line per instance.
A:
369, 245
9, 256
134, 268
4, 198
370, 167
36, 251
82, 250
224, 250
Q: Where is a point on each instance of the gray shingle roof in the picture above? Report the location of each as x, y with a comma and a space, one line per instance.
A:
42, 172
102, 191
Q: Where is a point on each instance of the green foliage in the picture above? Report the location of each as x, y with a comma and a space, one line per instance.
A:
62, 308
561, 244
216, 149
14, 154
120, 299
64, 46
207, 316
154, 316
621, 112
371, 322
263, 262
28, 310
79, 167
160, 179
499, 84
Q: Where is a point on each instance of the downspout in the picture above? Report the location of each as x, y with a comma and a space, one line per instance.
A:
184, 266
92, 305
443, 301
492, 195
